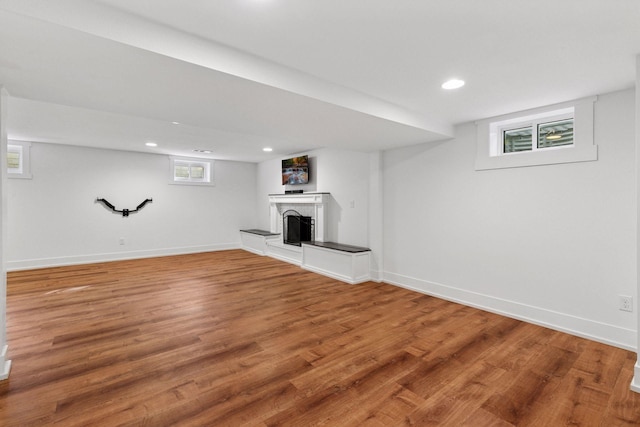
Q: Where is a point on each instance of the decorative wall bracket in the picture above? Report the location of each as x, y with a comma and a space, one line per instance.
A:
124, 212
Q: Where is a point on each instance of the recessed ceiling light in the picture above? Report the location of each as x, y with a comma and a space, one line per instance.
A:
151, 144
175, 123
203, 151
267, 149
453, 84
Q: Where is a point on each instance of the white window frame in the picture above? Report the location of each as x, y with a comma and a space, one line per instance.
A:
23, 171
207, 164
490, 146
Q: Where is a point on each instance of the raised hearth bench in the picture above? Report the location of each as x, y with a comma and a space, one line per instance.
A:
350, 264
255, 241
343, 262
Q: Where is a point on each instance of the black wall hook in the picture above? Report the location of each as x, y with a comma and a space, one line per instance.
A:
124, 212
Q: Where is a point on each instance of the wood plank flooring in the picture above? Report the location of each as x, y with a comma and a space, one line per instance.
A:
234, 339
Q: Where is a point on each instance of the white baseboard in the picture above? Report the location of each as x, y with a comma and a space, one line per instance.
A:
254, 251
5, 365
287, 253
585, 328
337, 276
635, 382
117, 256
376, 276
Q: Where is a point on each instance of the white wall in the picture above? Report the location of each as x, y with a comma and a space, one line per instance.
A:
344, 174
55, 220
552, 244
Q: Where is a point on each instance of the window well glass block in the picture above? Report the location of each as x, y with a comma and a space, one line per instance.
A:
13, 160
181, 171
555, 134
197, 172
516, 140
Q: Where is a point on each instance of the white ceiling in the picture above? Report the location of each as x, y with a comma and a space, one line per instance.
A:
296, 75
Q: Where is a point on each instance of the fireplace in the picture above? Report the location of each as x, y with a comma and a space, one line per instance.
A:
313, 205
296, 228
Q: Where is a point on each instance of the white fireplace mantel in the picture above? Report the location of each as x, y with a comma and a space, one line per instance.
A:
319, 201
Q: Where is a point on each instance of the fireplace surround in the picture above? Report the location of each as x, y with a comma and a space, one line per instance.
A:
350, 264
313, 205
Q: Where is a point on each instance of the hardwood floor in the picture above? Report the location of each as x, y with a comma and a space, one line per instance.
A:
233, 339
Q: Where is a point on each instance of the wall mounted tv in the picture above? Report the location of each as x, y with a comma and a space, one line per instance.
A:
295, 170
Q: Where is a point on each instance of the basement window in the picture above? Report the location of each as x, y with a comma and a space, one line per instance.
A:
19, 160
191, 171
550, 135
547, 132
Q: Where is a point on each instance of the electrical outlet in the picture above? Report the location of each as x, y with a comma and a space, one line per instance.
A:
626, 303
121, 241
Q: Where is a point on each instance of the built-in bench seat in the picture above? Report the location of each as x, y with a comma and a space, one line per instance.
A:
255, 240
347, 263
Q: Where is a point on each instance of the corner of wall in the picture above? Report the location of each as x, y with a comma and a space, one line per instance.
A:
635, 382
5, 365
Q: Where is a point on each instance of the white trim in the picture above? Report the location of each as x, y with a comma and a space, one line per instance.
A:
207, 164
287, 253
6, 364
299, 198
349, 267
254, 251
488, 154
256, 243
584, 328
115, 256
333, 275
376, 275
635, 381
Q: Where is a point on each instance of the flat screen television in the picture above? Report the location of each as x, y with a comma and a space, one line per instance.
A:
295, 170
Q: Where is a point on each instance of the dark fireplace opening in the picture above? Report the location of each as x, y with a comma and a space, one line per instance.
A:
296, 228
